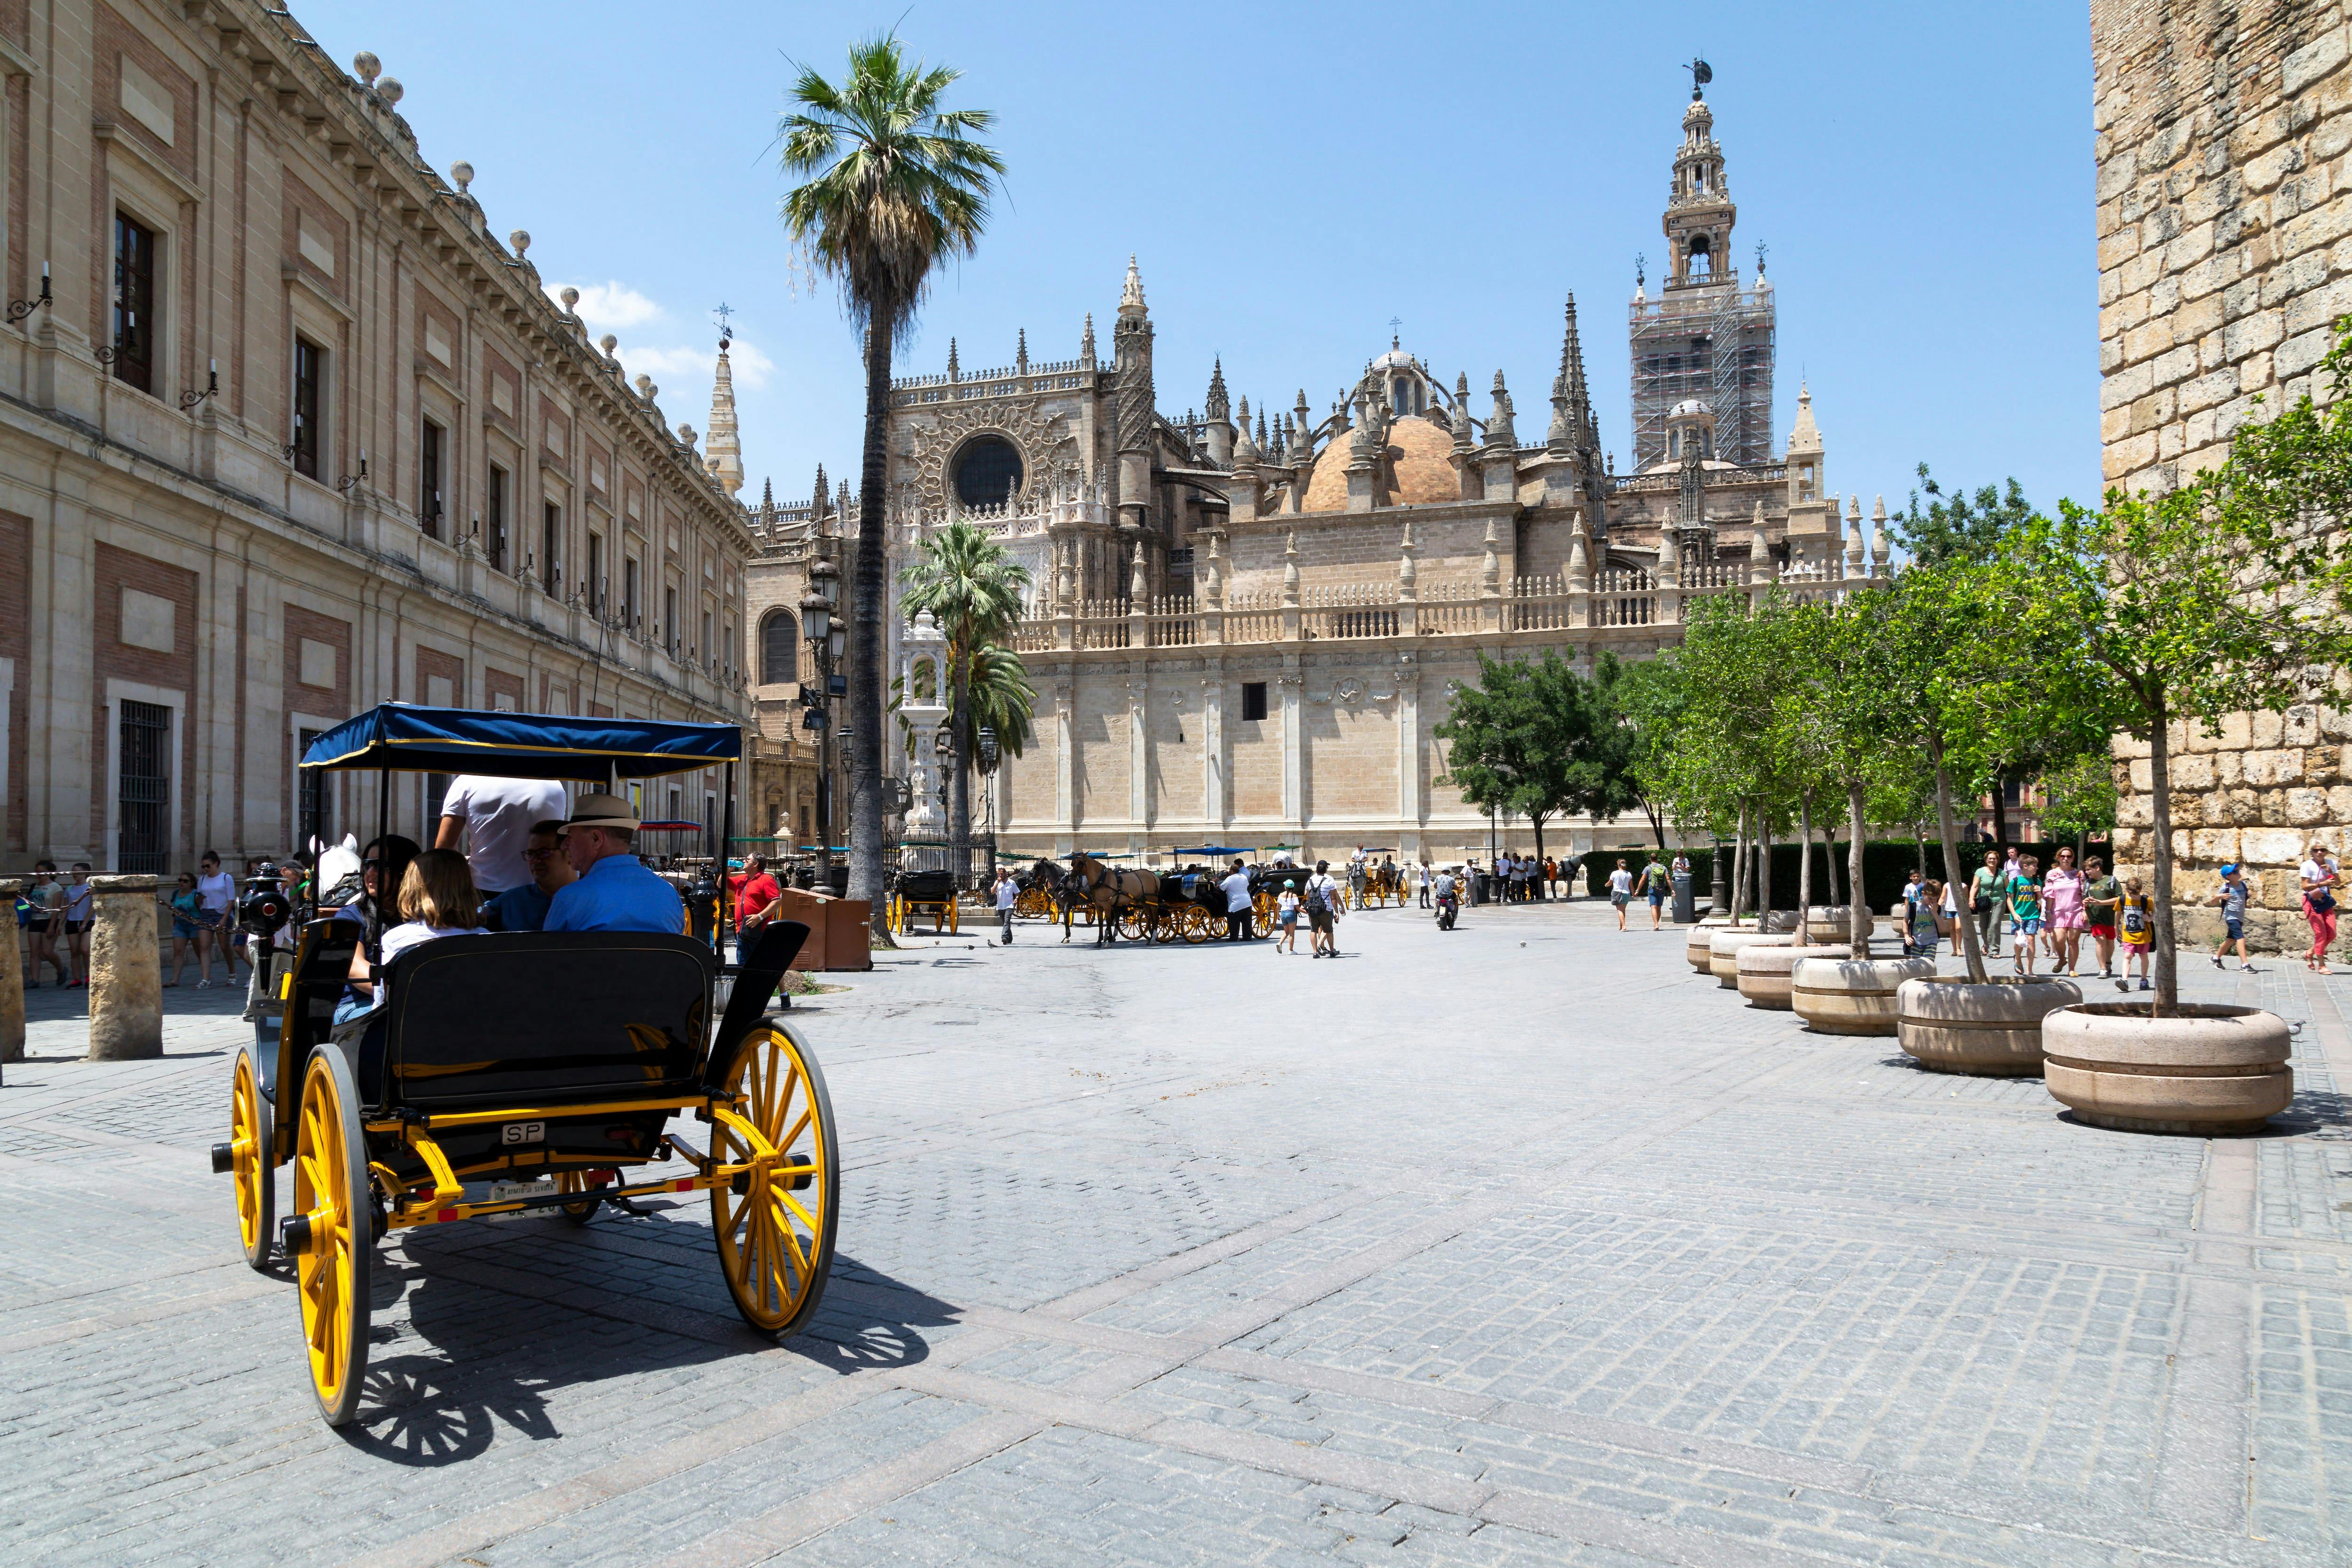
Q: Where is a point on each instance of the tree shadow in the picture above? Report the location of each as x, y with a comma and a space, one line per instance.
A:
493, 1357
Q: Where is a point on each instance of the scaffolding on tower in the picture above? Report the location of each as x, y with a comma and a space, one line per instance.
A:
1712, 339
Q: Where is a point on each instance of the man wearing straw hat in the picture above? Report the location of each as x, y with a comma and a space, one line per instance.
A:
614, 892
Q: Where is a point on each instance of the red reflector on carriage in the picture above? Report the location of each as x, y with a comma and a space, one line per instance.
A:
683, 1184
442, 1217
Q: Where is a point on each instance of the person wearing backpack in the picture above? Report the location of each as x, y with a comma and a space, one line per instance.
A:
1323, 911
2320, 879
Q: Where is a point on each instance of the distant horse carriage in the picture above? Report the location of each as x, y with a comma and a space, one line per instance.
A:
1383, 884
1141, 906
915, 893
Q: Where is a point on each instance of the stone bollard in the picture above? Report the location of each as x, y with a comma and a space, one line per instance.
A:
12, 989
126, 981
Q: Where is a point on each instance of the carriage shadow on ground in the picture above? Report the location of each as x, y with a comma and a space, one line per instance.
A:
491, 1357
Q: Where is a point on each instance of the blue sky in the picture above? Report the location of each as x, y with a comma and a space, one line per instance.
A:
1291, 178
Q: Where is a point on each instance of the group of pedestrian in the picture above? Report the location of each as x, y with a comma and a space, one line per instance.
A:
1653, 883
55, 917
1523, 878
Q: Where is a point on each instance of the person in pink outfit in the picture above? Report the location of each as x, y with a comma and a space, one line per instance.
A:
2062, 910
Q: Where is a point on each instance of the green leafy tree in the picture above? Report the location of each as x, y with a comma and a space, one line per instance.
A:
1643, 701
1533, 737
2225, 596
1959, 526
894, 185
2080, 798
972, 591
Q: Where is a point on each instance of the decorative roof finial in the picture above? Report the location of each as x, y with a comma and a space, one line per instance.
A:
1701, 74
1021, 352
1130, 294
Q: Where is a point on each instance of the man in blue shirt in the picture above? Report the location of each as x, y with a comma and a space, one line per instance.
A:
525, 907
615, 891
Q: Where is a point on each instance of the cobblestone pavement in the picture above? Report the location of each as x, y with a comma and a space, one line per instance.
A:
1516, 1245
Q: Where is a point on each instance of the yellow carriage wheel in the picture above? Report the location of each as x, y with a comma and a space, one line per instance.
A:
1199, 926
775, 1223
1134, 925
250, 1130
577, 1182
1033, 904
331, 1232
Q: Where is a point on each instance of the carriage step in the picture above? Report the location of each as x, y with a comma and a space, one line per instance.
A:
224, 1159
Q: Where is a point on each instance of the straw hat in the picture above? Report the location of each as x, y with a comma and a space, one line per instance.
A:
601, 811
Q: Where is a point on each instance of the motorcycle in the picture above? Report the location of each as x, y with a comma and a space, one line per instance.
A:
1448, 906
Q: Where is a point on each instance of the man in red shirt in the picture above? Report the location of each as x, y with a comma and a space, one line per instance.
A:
755, 894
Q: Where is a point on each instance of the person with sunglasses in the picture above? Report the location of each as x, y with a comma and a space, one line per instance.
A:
525, 907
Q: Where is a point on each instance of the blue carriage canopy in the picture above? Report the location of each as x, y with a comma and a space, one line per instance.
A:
406, 738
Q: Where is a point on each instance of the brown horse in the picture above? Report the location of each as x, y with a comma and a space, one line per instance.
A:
1106, 891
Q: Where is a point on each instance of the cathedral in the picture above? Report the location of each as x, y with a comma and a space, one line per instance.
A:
1245, 626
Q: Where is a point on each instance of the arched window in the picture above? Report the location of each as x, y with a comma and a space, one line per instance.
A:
1701, 260
779, 648
987, 471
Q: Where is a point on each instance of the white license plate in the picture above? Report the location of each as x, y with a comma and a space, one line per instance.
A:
506, 1191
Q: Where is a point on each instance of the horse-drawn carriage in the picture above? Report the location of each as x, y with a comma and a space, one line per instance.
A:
914, 893
1141, 906
547, 1063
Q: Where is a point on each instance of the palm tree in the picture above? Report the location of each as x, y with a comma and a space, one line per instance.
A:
895, 185
972, 590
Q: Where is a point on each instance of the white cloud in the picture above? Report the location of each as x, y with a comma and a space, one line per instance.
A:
613, 306
697, 364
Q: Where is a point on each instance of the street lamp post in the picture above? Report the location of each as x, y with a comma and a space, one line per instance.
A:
825, 635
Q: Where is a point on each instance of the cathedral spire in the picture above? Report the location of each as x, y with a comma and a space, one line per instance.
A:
1130, 294
816, 505
1571, 406
725, 452
1219, 407
1021, 352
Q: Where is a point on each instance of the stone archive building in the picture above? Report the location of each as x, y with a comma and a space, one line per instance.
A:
285, 432
1245, 627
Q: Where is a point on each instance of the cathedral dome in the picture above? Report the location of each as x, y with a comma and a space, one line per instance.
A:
1419, 470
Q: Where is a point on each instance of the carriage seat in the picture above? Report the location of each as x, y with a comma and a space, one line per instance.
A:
536, 1018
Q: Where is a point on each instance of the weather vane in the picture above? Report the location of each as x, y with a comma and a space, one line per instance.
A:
726, 328
1760, 259
1641, 269
1701, 74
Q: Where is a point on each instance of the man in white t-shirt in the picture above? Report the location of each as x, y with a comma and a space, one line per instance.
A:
1238, 904
493, 819
1620, 892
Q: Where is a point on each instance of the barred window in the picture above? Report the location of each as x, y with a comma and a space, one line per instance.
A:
779, 648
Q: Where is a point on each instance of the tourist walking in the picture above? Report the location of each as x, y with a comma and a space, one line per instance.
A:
2025, 894
1922, 930
186, 908
47, 896
1655, 883
2232, 901
79, 893
2321, 883
2101, 895
1008, 893
1620, 892
1323, 896
2062, 911
1237, 904
217, 889
2138, 931
1285, 918
1985, 903
1425, 878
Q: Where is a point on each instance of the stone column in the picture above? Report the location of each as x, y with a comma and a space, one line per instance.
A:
126, 980
12, 990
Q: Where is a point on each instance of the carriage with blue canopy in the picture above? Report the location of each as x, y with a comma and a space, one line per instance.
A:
530, 1070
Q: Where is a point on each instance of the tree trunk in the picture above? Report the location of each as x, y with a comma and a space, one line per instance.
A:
960, 765
2001, 810
1535, 882
1763, 870
2159, 789
868, 591
1740, 865
1858, 930
1948, 828
1804, 863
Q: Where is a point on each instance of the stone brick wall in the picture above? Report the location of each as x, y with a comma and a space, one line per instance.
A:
2225, 255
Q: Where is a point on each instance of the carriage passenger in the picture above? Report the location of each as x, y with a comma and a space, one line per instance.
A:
437, 899
525, 907
614, 892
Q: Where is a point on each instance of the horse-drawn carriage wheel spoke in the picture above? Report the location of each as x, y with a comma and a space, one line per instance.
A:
331, 1190
251, 1130
774, 1249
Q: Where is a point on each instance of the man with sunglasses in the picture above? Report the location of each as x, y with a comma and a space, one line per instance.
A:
525, 907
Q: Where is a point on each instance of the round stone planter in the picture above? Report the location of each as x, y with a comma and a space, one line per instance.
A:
1783, 922
1842, 996
1832, 923
1723, 952
1989, 1030
1765, 970
2204, 1069
1695, 949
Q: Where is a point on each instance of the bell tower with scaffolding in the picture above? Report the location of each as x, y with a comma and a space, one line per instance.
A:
1706, 336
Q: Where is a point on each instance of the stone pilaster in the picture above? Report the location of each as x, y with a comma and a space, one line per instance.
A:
12, 994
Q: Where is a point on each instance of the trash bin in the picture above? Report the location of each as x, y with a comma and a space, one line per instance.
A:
1685, 905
